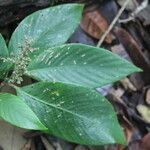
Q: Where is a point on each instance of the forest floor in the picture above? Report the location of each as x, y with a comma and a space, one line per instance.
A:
126, 33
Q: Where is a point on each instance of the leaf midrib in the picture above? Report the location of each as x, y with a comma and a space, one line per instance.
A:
60, 108
80, 116
70, 66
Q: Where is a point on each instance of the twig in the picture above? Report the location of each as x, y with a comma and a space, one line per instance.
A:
47, 145
113, 23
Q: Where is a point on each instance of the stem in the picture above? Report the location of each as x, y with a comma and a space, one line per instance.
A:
113, 23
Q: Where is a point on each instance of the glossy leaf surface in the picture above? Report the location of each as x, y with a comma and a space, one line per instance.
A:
46, 28
73, 113
80, 64
16, 112
4, 66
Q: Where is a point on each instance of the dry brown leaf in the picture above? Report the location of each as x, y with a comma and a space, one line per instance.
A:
128, 131
94, 24
11, 138
127, 84
132, 48
146, 142
29, 145
142, 144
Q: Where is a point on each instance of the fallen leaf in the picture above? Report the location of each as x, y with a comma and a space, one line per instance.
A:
94, 24
145, 145
132, 48
142, 144
29, 145
11, 138
127, 128
127, 84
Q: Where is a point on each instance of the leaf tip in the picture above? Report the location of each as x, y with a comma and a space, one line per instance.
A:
123, 140
41, 127
137, 69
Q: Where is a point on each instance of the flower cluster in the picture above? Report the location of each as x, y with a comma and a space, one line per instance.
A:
20, 62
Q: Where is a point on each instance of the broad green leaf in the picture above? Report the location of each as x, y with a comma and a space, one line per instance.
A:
79, 64
16, 112
46, 28
4, 67
74, 113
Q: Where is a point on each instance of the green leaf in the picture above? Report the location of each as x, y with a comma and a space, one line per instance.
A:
79, 64
46, 28
74, 113
3, 47
16, 112
4, 66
